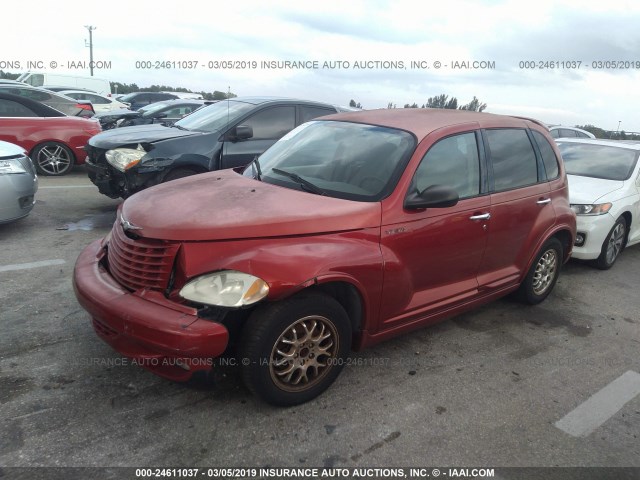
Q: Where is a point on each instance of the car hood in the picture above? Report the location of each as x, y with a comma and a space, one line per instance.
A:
10, 150
124, 113
225, 205
139, 134
587, 190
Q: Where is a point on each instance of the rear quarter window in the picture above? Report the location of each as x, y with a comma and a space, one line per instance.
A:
548, 156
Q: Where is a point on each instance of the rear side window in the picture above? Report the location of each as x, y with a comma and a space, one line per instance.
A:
309, 113
451, 162
513, 159
566, 133
272, 123
548, 156
9, 108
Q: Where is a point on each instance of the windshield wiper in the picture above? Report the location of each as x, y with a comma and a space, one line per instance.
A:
305, 184
256, 170
179, 127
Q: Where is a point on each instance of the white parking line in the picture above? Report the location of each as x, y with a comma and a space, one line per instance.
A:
601, 406
68, 186
26, 266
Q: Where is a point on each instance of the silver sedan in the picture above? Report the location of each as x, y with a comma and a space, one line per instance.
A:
18, 183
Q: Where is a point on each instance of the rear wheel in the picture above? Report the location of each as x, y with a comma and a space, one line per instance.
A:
292, 351
52, 159
543, 274
613, 245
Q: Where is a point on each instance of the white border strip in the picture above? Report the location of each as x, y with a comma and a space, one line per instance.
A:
601, 406
27, 266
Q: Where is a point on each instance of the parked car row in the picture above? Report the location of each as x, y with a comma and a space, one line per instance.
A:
166, 112
327, 230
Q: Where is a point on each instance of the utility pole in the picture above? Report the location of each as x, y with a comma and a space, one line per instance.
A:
91, 28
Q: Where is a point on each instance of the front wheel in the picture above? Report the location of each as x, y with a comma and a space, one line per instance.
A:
293, 350
543, 274
613, 245
52, 158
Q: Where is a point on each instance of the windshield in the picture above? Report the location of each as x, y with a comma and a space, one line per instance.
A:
154, 107
127, 97
338, 159
598, 161
215, 117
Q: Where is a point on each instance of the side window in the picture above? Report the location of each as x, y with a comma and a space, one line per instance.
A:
555, 133
309, 113
513, 159
581, 135
35, 95
97, 99
451, 162
566, 133
548, 155
272, 123
9, 108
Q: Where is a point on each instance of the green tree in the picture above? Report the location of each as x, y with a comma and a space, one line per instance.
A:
353, 104
474, 105
442, 101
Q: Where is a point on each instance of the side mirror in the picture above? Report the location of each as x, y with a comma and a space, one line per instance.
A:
242, 132
160, 115
435, 196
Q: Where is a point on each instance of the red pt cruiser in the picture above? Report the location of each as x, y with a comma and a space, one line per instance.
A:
349, 230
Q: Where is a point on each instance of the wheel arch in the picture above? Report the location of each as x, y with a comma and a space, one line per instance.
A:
565, 238
628, 217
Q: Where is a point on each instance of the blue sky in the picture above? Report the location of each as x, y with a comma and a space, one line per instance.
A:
503, 32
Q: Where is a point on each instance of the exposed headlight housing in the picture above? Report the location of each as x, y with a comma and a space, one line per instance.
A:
227, 288
590, 210
125, 158
12, 165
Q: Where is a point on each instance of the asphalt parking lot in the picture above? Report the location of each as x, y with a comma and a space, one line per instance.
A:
489, 388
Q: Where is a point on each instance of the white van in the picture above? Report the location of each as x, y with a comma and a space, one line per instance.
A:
38, 79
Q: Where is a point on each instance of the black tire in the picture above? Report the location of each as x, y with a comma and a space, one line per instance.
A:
613, 245
178, 173
543, 274
53, 159
317, 333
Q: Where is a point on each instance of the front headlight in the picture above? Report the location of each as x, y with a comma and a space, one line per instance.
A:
599, 209
125, 158
12, 165
227, 288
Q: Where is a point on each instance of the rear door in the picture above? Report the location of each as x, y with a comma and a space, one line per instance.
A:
521, 207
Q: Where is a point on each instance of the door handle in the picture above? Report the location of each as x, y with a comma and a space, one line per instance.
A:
484, 216
544, 201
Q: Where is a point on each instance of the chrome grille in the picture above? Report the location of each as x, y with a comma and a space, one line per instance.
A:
141, 263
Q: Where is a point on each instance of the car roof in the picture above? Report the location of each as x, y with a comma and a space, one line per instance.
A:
629, 144
73, 90
178, 101
39, 108
265, 99
422, 121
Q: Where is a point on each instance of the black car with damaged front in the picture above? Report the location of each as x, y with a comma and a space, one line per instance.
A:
227, 134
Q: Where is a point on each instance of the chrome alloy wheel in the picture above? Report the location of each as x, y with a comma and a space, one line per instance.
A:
545, 271
54, 159
616, 240
304, 353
